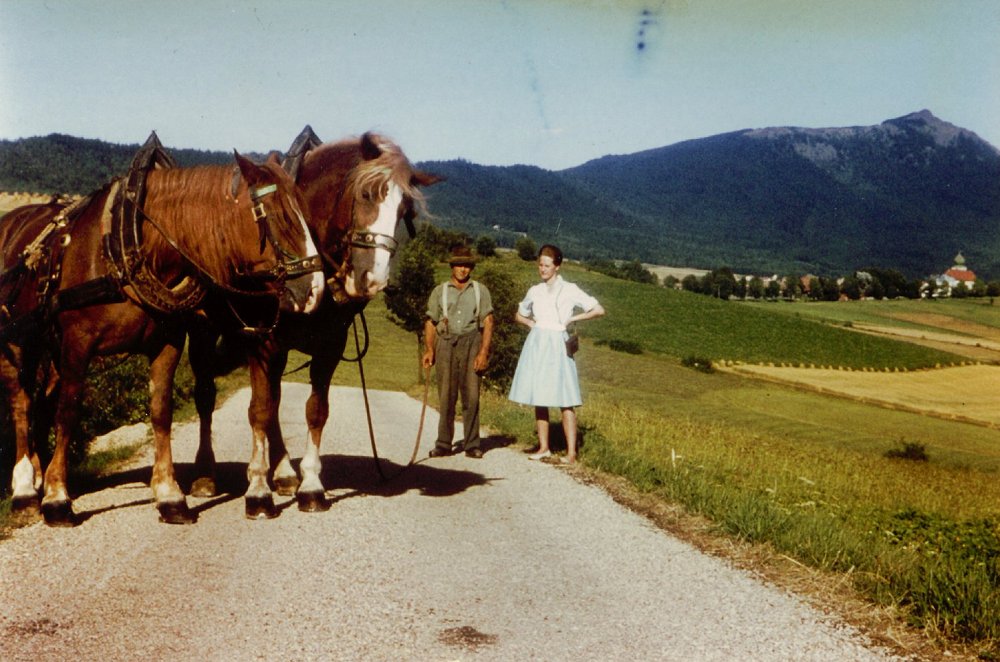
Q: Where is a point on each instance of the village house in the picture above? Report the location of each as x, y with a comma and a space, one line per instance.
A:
958, 273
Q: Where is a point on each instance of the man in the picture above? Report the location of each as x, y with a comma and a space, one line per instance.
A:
457, 335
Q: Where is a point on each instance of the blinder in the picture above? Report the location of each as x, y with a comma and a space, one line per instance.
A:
289, 265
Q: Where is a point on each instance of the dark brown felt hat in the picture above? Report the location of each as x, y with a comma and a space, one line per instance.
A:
461, 255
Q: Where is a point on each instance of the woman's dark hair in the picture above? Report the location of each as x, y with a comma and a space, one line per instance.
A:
551, 251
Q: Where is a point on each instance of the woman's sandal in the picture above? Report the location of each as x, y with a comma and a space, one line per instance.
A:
540, 455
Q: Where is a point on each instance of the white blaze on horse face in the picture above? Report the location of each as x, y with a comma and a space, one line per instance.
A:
318, 282
385, 224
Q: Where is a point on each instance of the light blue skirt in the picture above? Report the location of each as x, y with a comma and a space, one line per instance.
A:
545, 376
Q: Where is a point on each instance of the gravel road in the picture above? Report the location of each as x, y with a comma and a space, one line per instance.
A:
455, 559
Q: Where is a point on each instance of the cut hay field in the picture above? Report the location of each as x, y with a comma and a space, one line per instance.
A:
963, 393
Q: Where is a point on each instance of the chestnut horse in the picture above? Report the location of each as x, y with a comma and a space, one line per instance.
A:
360, 192
233, 238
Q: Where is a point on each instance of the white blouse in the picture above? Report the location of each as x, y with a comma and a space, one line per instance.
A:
551, 308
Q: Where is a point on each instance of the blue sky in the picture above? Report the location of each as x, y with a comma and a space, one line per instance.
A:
552, 83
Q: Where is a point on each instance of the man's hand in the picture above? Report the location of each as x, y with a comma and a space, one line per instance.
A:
428, 359
481, 361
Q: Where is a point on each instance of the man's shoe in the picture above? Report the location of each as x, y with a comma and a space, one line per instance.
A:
474, 452
439, 452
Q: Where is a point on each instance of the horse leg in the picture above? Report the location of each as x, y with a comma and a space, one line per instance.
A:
57, 507
26, 478
201, 347
265, 367
311, 495
286, 481
170, 501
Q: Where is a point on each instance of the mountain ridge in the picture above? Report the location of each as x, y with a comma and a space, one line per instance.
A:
908, 194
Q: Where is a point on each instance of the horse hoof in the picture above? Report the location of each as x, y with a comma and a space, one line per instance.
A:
203, 487
26, 506
175, 512
260, 507
286, 486
312, 502
59, 513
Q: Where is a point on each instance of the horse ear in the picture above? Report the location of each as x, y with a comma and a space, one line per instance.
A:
370, 149
421, 178
251, 172
274, 157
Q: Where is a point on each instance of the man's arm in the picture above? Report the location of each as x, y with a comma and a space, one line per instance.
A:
483, 357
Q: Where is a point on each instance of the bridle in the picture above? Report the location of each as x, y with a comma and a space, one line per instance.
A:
289, 265
364, 239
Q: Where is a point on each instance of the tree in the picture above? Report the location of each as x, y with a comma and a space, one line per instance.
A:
719, 283
792, 286
634, 271
741, 288
755, 288
831, 291
773, 289
506, 290
851, 287
690, 283
486, 246
526, 249
815, 289
412, 284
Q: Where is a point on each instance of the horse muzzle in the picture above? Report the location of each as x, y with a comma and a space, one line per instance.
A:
302, 294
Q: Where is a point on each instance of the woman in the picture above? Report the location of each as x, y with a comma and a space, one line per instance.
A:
546, 374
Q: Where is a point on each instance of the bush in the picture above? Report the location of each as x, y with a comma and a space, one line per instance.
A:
486, 246
526, 249
908, 451
627, 346
506, 290
412, 283
698, 363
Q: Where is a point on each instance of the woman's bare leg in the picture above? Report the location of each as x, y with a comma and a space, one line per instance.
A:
542, 427
569, 430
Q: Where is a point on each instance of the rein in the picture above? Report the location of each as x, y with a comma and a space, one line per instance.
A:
368, 414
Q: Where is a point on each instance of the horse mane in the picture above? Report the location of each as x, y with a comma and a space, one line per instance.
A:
197, 203
177, 188
370, 177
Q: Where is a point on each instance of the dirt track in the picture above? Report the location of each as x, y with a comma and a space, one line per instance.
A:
493, 559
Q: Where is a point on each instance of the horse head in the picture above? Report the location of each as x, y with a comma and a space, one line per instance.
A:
285, 253
362, 192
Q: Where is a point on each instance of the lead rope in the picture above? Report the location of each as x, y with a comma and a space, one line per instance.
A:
368, 414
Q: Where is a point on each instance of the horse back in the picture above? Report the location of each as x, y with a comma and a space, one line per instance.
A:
20, 227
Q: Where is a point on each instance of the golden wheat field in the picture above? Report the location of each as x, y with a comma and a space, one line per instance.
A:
961, 393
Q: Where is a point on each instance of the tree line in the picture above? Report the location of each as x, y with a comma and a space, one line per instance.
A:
869, 283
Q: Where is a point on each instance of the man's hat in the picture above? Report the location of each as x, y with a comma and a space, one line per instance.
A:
462, 255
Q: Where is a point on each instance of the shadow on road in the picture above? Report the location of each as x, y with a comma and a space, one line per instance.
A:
343, 476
